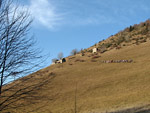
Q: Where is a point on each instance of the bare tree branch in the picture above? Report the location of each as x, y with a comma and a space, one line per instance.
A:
18, 56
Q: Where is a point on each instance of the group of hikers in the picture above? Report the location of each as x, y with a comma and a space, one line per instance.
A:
117, 61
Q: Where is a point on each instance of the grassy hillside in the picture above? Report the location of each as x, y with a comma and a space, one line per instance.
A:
94, 86
136, 34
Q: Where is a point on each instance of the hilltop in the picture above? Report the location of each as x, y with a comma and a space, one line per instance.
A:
133, 35
85, 84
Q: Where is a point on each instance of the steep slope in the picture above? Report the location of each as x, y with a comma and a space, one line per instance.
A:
87, 84
136, 34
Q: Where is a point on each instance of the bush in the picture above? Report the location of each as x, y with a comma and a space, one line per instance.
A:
112, 40
82, 51
60, 55
127, 39
74, 52
141, 38
103, 49
131, 28
142, 41
107, 45
114, 45
137, 42
90, 51
120, 40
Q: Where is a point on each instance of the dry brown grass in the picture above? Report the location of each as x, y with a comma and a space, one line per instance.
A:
100, 87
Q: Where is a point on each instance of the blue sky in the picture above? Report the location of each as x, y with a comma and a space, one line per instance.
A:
63, 25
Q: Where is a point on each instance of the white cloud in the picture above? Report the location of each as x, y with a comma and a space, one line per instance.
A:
75, 13
44, 13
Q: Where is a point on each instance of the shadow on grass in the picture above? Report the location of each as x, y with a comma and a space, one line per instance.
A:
24, 92
143, 109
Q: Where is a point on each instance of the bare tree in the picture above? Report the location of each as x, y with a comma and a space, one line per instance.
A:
18, 55
74, 52
0, 2
60, 55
